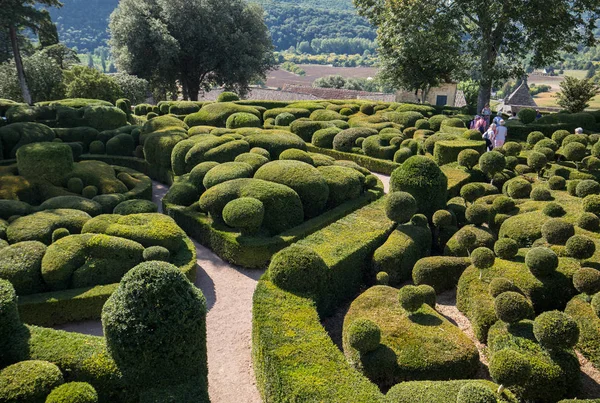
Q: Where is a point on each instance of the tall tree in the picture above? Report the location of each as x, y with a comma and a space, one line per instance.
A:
15, 14
199, 43
501, 35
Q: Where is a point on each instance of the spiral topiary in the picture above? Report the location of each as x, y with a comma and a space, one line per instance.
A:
541, 261
298, 269
557, 231
589, 222
553, 210
555, 330
509, 368
364, 335
580, 247
506, 248
587, 280
557, 182
474, 393
400, 206
499, 285
512, 307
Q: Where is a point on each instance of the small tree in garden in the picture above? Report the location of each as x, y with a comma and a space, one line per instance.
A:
509, 368
574, 152
492, 163
482, 258
575, 94
537, 161
466, 239
468, 158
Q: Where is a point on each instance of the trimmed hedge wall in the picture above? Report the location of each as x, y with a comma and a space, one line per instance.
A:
372, 164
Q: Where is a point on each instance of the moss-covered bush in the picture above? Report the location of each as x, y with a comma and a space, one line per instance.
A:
557, 231
228, 96
540, 194
226, 171
477, 214
216, 114
48, 161
344, 183
156, 253
122, 144
296, 155
91, 207
509, 367
364, 335
503, 205
511, 307
492, 162
135, 206
554, 210
473, 393
555, 330
346, 139
29, 381
499, 285
541, 262
20, 263
518, 188
580, 247
589, 222
557, 183
534, 137
591, 204
39, 226
587, 187
506, 248
242, 119
245, 213
299, 269
400, 206
284, 119
73, 392
89, 192
152, 344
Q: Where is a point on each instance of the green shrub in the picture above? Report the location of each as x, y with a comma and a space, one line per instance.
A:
135, 206
324, 137
492, 162
400, 206
512, 148
13, 334
402, 155
284, 119
423, 179
554, 210
537, 161
242, 119
227, 96
555, 330
156, 253
159, 145
587, 280
557, 183
410, 298
183, 108
89, 192
364, 335
509, 367
20, 264
299, 269
16, 135
382, 278
512, 307
572, 186
73, 203
121, 144
589, 222
344, 184
275, 142
473, 393
446, 152
216, 114
591, 204
75, 185
379, 146
540, 194
296, 155
534, 137
527, 115
104, 117
442, 218
503, 205
574, 151
303, 178
345, 140
29, 381
557, 231
541, 262
97, 147
39, 226
518, 188
59, 233
506, 248
559, 135
575, 138
73, 392
440, 272
580, 247
547, 143
587, 187
499, 285
296, 112
477, 214
483, 258
227, 171
468, 158
252, 159
245, 213
48, 161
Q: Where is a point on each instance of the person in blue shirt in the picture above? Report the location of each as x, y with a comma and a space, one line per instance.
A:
498, 118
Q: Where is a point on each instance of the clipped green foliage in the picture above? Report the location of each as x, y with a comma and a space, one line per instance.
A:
534, 137
156, 253
226, 171
48, 161
20, 263
344, 183
364, 335
540, 194
492, 162
245, 213
29, 381
299, 269
482, 258
40, 226
512, 307
135, 206
557, 231
580, 247
400, 206
382, 278
296, 155
447, 151
506, 248
527, 115
216, 114
73, 392
555, 330
503, 205
518, 188
591, 204
242, 119
499, 285
509, 367
541, 261
157, 344
59, 233
554, 210
473, 393
13, 334
228, 96
410, 298
589, 222
346, 139
89, 192
91, 207
557, 183
574, 151
75, 185
468, 158
477, 214
587, 187
97, 147
122, 144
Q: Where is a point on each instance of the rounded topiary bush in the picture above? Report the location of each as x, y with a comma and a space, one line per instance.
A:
574, 151
298, 269
75, 185
402, 155
296, 155
555, 330
540, 194
557, 231
587, 187
428, 294
572, 186
245, 213
596, 304
400, 206
541, 261
559, 135
424, 180
511, 307
468, 158
477, 214
503, 205
589, 222
527, 115
284, 119
472, 191
73, 392
591, 204
537, 161
155, 327
135, 206
587, 280
364, 335
557, 182
580, 247
509, 367
500, 285
156, 253
442, 218
47, 161
474, 393
466, 238
411, 298
534, 137
518, 188
382, 278
553, 210
59, 233
506, 248
97, 147
228, 96
89, 192
242, 119
14, 343
482, 258
29, 381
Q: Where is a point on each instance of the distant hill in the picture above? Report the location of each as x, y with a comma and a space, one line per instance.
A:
84, 23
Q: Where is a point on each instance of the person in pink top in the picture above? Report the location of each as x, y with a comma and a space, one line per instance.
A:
500, 137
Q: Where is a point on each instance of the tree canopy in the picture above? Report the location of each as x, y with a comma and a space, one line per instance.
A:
502, 36
196, 43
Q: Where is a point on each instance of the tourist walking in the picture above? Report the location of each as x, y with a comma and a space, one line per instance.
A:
486, 112
489, 136
500, 137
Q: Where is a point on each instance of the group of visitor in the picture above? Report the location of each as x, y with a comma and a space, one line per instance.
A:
494, 132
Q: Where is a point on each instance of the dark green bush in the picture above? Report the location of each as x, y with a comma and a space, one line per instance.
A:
344, 183
554, 210
410, 298
48, 161
572, 186
59, 233
324, 137
477, 214
72, 202
299, 269
73, 392
345, 140
364, 335
527, 115
587, 187
158, 145
575, 138
156, 253
506, 248
275, 142
157, 344
512, 148
400, 206
555, 330
296, 155
591, 204
402, 155
216, 114
473, 393
89, 192
284, 119
121, 144
589, 222
557, 183
29, 381
379, 146
226, 171
252, 159
468, 158
499, 285
540, 194
305, 129
518, 188
512, 307
580, 247
541, 262
546, 143
242, 119
39, 226
559, 135
442, 218
574, 151
227, 96
20, 264
104, 117
382, 278
482, 258
503, 205
537, 161
509, 367
183, 108
13, 334
75, 185
587, 280
557, 231
534, 137
440, 272
596, 304
97, 147
135, 206
245, 213
492, 162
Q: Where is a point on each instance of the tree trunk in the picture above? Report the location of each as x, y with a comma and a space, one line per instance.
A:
19, 63
193, 88
485, 93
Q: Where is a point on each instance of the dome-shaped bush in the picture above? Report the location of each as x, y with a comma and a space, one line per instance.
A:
537, 161
574, 151
227, 96
482, 258
596, 304
155, 326
422, 124
364, 335
75, 185
548, 152
261, 151
512, 148
477, 214
428, 294
557, 182
474, 393
559, 135
468, 158
587, 280
557, 231
492, 162
89, 192
59, 233
591, 163
580, 247
424, 180
29, 381
382, 278
472, 191
14, 344
419, 220
97, 147
555, 330
402, 155
575, 138
541, 261
400, 206
73, 392
534, 137
500, 285
442, 218
527, 115
553, 210
242, 119
284, 119
135, 206
410, 298
589, 222
506, 248
540, 194
511, 307
587, 187
296, 155
503, 205
509, 367
466, 238
245, 213
518, 188
546, 143
591, 204
298, 269
572, 186
156, 253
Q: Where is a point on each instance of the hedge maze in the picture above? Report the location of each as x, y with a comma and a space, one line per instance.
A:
290, 187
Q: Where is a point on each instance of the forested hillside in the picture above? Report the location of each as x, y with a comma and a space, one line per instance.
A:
84, 23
